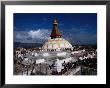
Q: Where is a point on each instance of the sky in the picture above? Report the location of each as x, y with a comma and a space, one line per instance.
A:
77, 28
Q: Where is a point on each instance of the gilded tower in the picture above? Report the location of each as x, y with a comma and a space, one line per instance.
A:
55, 33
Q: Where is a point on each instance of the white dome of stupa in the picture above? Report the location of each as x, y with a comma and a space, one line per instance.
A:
56, 43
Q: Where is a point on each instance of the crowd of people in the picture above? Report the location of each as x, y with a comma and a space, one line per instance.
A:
88, 60
90, 63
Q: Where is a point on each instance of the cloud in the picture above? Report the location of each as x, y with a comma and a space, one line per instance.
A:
41, 34
75, 35
32, 36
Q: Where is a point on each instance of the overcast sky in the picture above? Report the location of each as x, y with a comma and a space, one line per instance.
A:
77, 28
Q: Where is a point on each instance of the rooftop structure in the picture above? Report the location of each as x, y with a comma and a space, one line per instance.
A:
55, 33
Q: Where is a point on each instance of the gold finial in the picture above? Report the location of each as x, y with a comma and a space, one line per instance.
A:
55, 21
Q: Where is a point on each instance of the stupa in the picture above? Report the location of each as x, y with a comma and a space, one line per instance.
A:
55, 41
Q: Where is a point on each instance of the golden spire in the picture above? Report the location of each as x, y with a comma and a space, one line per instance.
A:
55, 33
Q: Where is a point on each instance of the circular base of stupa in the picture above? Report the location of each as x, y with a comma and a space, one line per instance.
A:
56, 44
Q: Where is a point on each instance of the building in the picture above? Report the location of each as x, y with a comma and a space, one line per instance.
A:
55, 41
